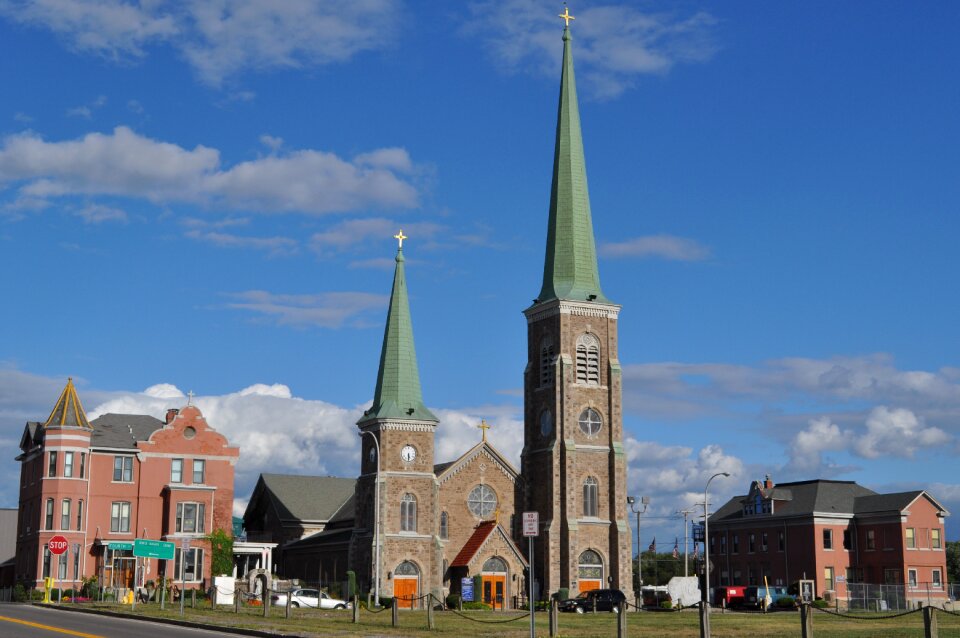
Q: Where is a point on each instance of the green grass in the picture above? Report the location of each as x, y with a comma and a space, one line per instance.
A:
314, 623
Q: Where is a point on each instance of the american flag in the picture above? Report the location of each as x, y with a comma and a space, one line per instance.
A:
696, 551
676, 548
653, 546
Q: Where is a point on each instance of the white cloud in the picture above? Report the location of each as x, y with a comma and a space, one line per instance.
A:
274, 245
123, 163
345, 234
808, 446
613, 44
897, 432
98, 214
219, 38
326, 310
662, 246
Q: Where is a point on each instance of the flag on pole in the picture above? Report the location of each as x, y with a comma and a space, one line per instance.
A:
696, 551
676, 548
653, 546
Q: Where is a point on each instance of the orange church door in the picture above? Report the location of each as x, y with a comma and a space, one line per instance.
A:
405, 590
588, 585
494, 589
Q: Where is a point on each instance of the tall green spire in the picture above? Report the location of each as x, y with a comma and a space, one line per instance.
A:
570, 269
398, 382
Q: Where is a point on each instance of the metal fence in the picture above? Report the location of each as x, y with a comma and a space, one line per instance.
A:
872, 597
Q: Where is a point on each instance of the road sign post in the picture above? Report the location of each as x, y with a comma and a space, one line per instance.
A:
531, 529
183, 572
57, 546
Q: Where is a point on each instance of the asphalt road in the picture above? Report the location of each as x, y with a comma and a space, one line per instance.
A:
26, 621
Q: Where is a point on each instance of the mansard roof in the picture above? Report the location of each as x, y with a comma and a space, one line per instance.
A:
123, 430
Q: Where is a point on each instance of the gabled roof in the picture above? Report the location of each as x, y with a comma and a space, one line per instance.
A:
444, 471
474, 544
570, 268
398, 395
68, 410
896, 502
123, 430
296, 497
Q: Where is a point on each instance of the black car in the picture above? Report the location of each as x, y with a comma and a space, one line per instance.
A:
604, 599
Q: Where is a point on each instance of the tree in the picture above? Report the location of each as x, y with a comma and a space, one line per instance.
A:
659, 568
953, 561
221, 548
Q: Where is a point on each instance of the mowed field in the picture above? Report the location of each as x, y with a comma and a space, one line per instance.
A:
308, 622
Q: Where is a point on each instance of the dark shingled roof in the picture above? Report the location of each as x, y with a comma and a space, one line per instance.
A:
440, 467
123, 430
804, 497
309, 498
885, 502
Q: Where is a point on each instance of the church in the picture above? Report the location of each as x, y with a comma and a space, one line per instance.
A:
420, 525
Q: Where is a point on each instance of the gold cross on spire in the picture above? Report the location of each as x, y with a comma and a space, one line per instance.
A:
400, 237
484, 426
566, 14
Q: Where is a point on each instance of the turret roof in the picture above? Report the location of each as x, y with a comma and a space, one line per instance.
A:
68, 410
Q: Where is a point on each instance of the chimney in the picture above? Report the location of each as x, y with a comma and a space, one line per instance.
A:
767, 482
172, 414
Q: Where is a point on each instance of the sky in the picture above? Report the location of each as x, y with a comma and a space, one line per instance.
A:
202, 196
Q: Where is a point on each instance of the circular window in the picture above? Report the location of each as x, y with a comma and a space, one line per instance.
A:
590, 422
189, 432
482, 501
546, 423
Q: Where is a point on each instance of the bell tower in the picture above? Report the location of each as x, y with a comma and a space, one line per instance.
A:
573, 459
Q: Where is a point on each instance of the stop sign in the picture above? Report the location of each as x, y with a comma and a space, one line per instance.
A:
58, 544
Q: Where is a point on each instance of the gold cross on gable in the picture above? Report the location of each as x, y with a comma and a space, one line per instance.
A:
484, 426
566, 14
400, 237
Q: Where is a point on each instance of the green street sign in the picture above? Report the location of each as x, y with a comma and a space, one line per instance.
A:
119, 546
143, 548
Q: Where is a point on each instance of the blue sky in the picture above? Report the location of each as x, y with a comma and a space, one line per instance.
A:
202, 196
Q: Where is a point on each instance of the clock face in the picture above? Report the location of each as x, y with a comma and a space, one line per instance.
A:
408, 453
546, 423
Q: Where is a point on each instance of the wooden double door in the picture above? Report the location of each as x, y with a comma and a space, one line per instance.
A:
406, 589
494, 589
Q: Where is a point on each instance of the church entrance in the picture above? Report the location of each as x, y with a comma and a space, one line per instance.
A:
494, 580
590, 574
406, 584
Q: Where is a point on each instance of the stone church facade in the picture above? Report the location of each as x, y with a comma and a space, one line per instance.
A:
439, 523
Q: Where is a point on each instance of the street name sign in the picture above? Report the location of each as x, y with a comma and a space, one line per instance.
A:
143, 548
119, 546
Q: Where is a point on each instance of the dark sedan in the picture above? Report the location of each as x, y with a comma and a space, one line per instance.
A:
599, 599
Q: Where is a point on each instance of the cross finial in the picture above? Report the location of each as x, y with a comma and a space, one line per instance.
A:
190, 396
400, 237
566, 15
484, 426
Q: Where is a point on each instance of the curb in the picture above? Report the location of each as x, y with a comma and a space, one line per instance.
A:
172, 621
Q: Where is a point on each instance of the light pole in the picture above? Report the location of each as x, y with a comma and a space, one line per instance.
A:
376, 522
706, 536
645, 501
685, 538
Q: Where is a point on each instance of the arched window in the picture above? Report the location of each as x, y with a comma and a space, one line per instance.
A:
446, 570
495, 564
588, 360
546, 361
591, 566
590, 422
590, 497
408, 513
482, 501
406, 568
444, 532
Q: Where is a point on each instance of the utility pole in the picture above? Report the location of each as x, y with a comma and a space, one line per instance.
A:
686, 513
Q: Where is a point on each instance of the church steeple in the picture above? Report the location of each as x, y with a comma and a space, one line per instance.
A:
68, 411
398, 395
570, 269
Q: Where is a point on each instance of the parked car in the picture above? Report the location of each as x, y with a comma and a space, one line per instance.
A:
754, 596
309, 598
605, 600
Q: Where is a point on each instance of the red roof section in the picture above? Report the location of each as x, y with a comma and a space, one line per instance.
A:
474, 543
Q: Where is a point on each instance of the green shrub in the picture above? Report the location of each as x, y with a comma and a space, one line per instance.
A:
562, 594
89, 587
820, 603
108, 596
221, 546
786, 602
476, 605
666, 604
351, 583
453, 601
19, 593
36, 594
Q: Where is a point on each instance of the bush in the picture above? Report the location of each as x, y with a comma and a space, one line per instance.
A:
786, 602
351, 584
89, 587
19, 593
476, 606
666, 604
36, 594
107, 596
453, 601
820, 603
562, 594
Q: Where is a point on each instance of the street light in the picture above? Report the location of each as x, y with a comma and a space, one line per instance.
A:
706, 536
645, 501
685, 537
376, 521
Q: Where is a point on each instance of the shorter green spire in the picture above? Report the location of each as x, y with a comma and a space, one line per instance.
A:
398, 393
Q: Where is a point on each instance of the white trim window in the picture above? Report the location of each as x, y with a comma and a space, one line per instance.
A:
188, 566
911, 538
591, 491
123, 469
199, 471
408, 513
65, 514
935, 542
937, 577
120, 517
80, 515
52, 463
444, 526
828, 539
68, 464
48, 523
912, 577
190, 518
176, 471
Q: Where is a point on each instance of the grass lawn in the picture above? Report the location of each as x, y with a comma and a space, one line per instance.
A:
311, 622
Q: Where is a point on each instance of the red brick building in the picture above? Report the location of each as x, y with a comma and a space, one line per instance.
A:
104, 483
832, 532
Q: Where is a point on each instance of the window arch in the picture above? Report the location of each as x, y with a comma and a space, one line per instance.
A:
495, 564
407, 568
408, 513
588, 360
591, 565
444, 529
591, 491
590, 422
546, 361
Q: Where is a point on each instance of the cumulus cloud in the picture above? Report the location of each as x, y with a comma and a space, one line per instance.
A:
99, 214
275, 246
326, 310
809, 445
897, 432
657, 246
221, 38
348, 233
124, 163
614, 44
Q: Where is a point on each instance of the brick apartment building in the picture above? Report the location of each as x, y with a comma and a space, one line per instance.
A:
831, 532
104, 483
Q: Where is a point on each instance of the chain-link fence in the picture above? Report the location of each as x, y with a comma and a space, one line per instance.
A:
880, 598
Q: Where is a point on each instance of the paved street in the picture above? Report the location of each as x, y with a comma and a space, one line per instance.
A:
26, 621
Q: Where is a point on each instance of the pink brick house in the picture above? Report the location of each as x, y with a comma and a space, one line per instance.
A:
104, 483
